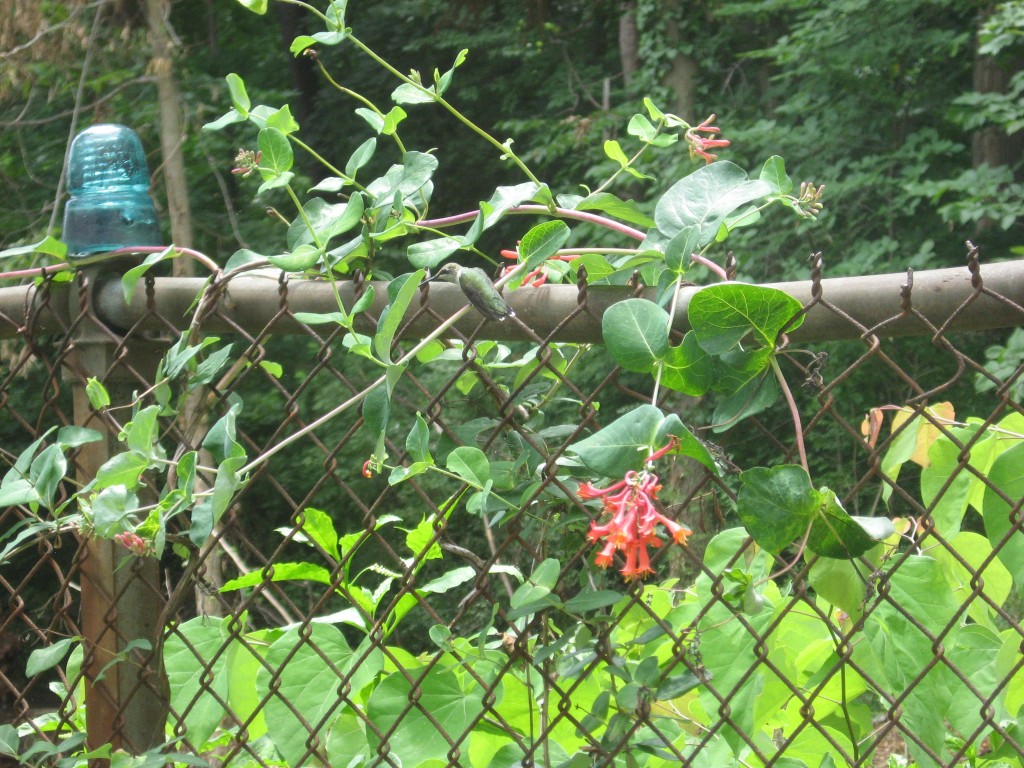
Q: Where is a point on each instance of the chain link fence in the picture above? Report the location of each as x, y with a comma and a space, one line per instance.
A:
434, 609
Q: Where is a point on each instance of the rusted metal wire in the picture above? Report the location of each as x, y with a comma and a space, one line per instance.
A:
288, 372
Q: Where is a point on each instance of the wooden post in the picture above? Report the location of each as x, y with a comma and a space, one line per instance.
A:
125, 688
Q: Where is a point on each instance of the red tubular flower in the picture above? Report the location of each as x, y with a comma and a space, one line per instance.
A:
699, 145
134, 543
368, 468
634, 518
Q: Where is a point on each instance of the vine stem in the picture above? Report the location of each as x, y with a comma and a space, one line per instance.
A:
794, 412
705, 261
361, 395
564, 213
63, 266
506, 151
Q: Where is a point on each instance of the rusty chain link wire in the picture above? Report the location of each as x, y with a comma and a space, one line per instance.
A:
262, 576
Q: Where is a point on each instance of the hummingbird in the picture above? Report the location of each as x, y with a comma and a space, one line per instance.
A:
477, 287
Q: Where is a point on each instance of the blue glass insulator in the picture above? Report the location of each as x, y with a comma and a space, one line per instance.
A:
108, 181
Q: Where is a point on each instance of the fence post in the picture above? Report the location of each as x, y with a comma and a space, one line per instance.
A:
122, 602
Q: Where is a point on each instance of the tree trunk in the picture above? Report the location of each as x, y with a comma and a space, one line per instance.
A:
629, 35
682, 77
991, 145
172, 131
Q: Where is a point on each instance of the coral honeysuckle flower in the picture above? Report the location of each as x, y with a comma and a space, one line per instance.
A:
699, 145
634, 518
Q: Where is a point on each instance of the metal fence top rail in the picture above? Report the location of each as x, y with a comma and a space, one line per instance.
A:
971, 297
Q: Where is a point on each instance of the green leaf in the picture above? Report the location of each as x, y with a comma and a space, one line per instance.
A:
16, 492
281, 572
625, 443
10, 741
221, 440
195, 664
376, 410
256, 6
778, 505
418, 441
230, 117
131, 278
774, 174
72, 437
42, 659
723, 315
422, 540
680, 248
403, 290
98, 396
319, 527
592, 600
297, 674
408, 93
413, 738
111, 511
444, 81
301, 43
326, 220
391, 120
636, 334
276, 157
446, 582
687, 367
207, 513
1007, 474
842, 582
613, 150
505, 198
542, 242
470, 464
283, 120
49, 245
302, 258
430, 253
121, 469
359, 158
705, 198
626, 210
752, 396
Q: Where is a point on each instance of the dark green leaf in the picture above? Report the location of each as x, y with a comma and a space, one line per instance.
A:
636, 333
705, 198
542, 242
122, 469
626, 210
680, 248
592, 600
418, 441
625, 443
687, 367
723, 315
42, 659
403, 290
778, 505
